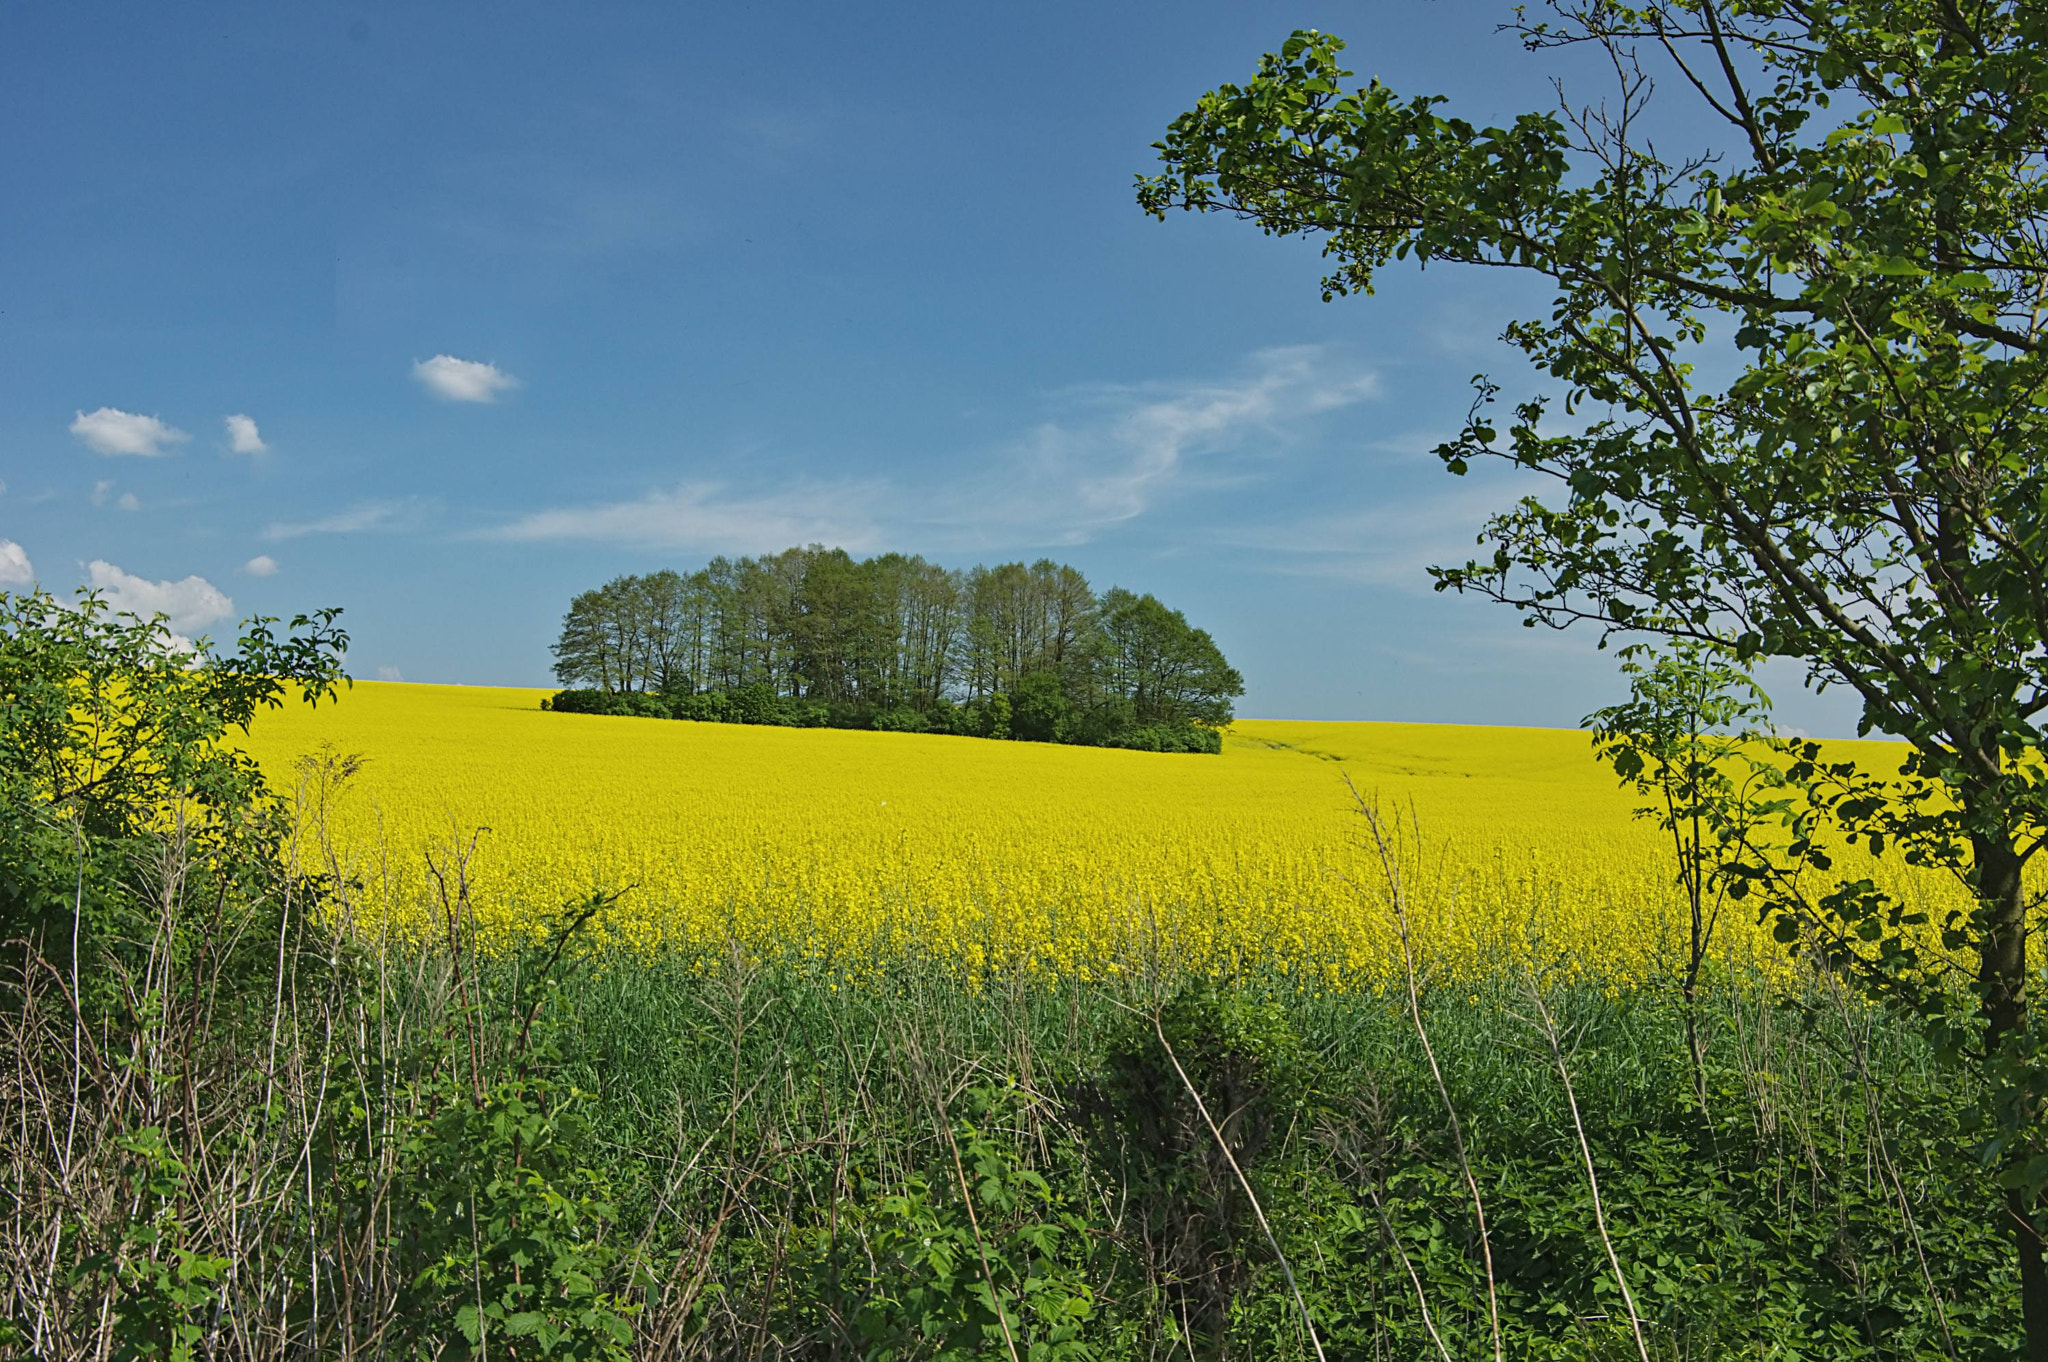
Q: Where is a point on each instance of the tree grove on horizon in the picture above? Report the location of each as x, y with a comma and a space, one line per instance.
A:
814, 636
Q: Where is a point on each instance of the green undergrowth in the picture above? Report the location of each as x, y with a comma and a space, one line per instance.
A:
790, 1154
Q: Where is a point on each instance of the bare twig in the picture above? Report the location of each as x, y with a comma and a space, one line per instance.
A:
1286, 1269
995, 1299
1397, 897
1548, 1027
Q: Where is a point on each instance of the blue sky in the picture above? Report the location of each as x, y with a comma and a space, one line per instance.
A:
509, 299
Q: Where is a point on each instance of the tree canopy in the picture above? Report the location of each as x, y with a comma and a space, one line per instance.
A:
115, 734
1866, 496
814, 636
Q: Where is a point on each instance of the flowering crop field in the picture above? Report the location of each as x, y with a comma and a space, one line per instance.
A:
862, 847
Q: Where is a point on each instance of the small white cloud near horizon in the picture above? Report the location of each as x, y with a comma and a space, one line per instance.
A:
15, 569
189, 604
243, 437
113, 431
462, 380
262, 565
390, 674
128, 502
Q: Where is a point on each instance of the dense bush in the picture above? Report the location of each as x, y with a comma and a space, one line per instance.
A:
1763, 1225
1037, 720
902, 719
1168, 738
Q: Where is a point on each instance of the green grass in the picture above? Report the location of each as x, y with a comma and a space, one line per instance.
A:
788, 1112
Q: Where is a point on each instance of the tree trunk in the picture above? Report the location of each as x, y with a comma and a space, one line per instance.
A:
2002, 993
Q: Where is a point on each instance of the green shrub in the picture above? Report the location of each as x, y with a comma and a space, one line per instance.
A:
1168, 738
1038, 708
502, 1225
1149, 1135
980, 1257
901, 719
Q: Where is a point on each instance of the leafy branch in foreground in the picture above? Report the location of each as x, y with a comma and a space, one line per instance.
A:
114, 732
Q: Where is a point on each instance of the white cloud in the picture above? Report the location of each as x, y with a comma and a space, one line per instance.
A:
462, 380
1391, 543
1125, 448
243, 437
3, 487
1152, 433
128, 502
190, 603
14, 565
368, 516
101, 490
262, 565
1115, 454
390, 674
113, 431
702, 517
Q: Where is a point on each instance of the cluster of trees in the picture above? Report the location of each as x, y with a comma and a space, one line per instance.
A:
815, 637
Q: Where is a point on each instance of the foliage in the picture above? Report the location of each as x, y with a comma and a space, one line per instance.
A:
814, 638
982, 1256
503, 1219
1039, 709
1863, 497
1172, 673
165, 1289
113, 732
1687, 741
1241, 1056
1810, 1212
1168, 738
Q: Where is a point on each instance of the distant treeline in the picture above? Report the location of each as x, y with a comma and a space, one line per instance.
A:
812, 637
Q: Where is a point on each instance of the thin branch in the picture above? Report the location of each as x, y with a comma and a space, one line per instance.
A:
1286, 1269
1398, 899
1549, 1029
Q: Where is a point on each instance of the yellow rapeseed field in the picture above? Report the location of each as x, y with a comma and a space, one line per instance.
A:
854, 846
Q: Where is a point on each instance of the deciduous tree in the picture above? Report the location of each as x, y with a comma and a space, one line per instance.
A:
1866, 496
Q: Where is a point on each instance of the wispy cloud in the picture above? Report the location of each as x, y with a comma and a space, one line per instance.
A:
15, 569
1123, 448
462, 380
103, 494
367, 517
1110, 454
1391, 543
262, 565
1414, 446
191, 603
243, 437
707, 517
110, 430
